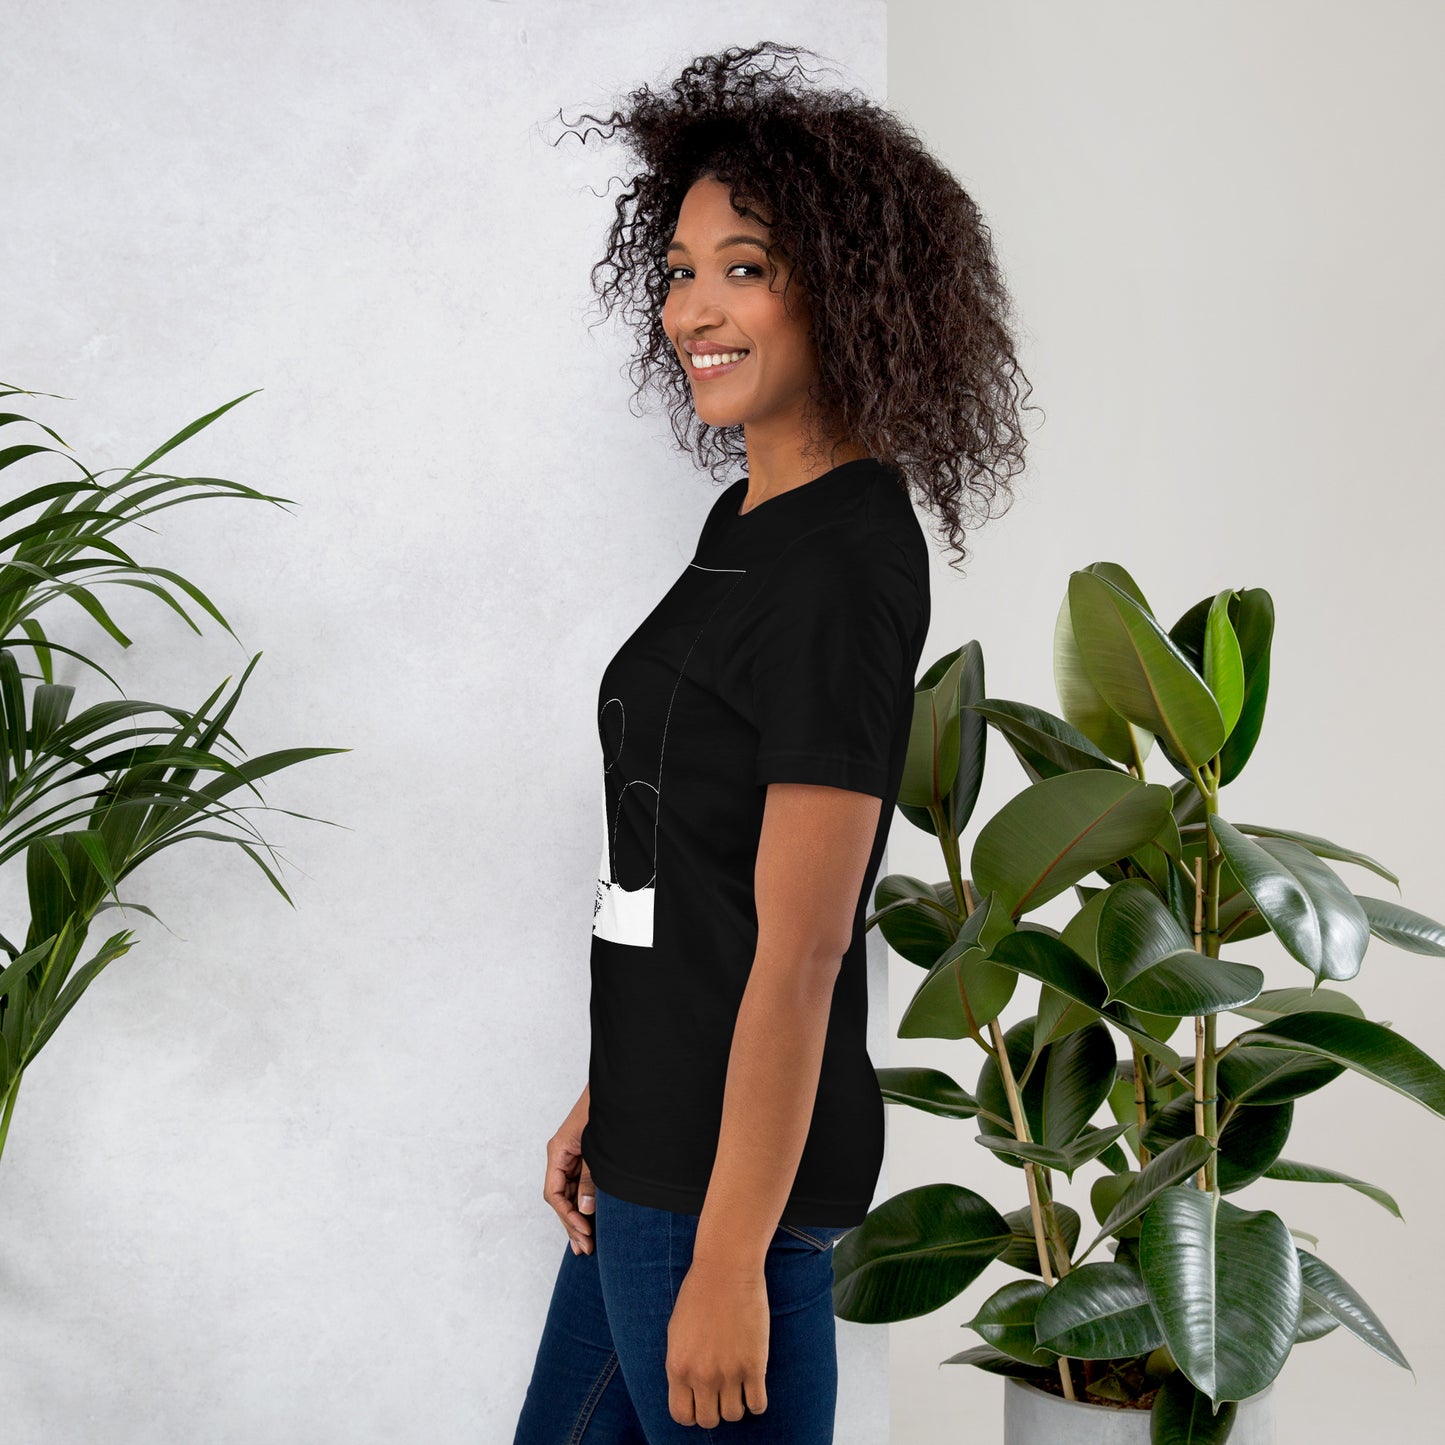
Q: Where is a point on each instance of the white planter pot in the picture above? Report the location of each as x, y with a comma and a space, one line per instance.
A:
1035, 1417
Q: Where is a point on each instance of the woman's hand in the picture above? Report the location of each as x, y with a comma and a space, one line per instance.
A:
717, 1345
568, 1187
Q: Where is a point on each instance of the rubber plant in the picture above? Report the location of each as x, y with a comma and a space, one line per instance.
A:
1202, 1298
87, 796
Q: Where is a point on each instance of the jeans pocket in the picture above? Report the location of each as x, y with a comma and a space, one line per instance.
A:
817, 1236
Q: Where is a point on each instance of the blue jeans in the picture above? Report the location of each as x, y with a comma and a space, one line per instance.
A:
601, 1372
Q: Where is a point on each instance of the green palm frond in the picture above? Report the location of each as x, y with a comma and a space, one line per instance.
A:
87, 797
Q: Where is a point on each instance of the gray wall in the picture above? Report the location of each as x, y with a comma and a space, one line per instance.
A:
1223, 226
278, 1178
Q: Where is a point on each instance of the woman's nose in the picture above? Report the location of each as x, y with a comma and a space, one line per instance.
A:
695, 308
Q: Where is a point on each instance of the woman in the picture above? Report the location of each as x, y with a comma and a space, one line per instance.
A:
817, 298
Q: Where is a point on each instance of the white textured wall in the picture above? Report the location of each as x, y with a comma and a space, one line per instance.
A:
278, 1178
1223, 226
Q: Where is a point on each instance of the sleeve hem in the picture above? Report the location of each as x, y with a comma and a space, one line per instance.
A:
855, 774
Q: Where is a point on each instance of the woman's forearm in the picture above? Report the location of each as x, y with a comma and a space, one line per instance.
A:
772, 1085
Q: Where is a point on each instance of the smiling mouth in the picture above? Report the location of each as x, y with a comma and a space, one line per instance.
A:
701, 368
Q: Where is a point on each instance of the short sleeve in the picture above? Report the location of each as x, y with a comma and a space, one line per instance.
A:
827, 658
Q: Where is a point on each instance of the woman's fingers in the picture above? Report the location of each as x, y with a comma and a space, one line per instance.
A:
585, 1210
561, 1190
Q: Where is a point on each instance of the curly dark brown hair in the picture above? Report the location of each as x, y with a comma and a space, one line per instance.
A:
910, 314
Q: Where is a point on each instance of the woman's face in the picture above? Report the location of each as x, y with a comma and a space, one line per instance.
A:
724, 294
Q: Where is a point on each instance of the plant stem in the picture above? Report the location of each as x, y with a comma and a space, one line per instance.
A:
1055, 1230
9, 1107
1138, 763
1036, 1213
1141, 1104
1211, 1103
963, 892
953, 861
1206, 941
1202, 1174
964, 896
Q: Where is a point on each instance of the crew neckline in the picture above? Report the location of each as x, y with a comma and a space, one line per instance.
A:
855, 466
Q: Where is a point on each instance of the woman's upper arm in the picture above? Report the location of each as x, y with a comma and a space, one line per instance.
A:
812, 853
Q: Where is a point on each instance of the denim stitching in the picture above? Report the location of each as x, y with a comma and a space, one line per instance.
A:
803, 1234
589, 1405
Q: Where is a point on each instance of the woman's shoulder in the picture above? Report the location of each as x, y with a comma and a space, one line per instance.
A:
859, 558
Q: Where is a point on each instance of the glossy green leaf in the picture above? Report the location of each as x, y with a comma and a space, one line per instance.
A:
913, 919
1023, 1250
1402, 926
1098, 1311
1182, 1415
1088, 1145
1054, 963
1006, 1320
1225, 1284
1238, 917
943, 768
931, 1090
931, 765
1105, 1192
1327, 1288
985, 986
1059, 830
1133, 930
1223, 671
1304, 902
1045, 745
1275, 1003
1320, 847
1117, 932
1315, 1321
1125, 1108
963, 986
1248, 1144
1083, 705
1292, 1169
992, 1360
1182, 1159
993, 1096
1126, 1250
1140, 672
1059, 1015
1251, 614
1256, 1074
1360, 1044
1114, 1158
915, 1252
1077, 1079
1188, 983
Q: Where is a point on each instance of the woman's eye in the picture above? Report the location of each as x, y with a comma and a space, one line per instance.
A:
668, 271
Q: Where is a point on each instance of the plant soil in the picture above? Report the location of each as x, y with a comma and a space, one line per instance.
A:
1130, 1376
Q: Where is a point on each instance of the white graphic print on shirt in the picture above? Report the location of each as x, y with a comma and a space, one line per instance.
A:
621, 914
633, 752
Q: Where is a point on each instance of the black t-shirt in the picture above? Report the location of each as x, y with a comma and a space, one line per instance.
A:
787, 651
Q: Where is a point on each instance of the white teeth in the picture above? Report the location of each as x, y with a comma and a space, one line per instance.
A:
716, 358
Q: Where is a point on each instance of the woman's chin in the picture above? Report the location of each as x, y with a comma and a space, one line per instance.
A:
718, 416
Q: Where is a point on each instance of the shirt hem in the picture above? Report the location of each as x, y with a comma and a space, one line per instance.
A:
800, 1210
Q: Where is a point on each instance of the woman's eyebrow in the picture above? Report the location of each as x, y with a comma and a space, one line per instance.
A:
726, 241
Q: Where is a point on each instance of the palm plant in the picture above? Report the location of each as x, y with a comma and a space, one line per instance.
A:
1203, 1298
87, 797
